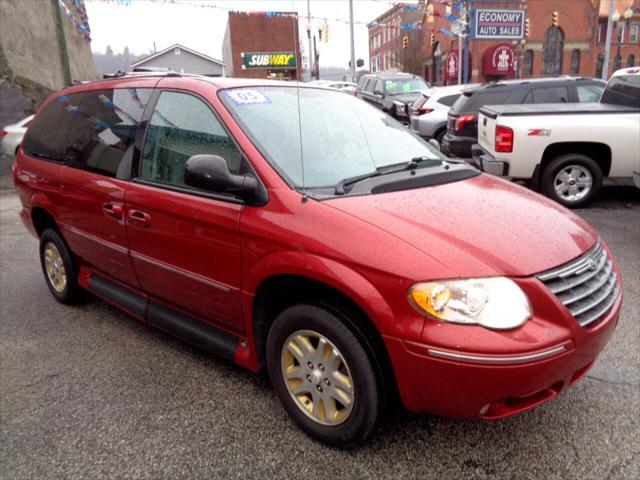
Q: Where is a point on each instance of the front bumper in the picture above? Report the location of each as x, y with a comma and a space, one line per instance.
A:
444, 375
486, 162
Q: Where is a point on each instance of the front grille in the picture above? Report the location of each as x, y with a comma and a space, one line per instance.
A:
587, 286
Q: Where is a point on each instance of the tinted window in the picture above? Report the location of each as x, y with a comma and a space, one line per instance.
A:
472, 103
589, 93
623, 90
104, 129
550, 95
182, 126
378, 87
361, 83
449, 99
47, 134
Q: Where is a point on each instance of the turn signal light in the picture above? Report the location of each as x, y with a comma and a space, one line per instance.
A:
504, 139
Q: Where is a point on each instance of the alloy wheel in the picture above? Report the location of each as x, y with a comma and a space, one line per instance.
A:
54, 266
573, 182
317, 377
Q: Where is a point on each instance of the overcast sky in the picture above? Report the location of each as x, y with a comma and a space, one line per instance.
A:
197, 24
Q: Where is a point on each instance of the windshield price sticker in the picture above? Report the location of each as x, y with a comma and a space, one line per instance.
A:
247, 97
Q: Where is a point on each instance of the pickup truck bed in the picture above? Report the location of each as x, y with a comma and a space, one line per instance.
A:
554, 109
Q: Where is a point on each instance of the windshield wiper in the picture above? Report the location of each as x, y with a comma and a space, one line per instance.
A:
410, 165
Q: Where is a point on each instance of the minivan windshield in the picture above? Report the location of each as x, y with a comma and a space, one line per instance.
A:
337, 136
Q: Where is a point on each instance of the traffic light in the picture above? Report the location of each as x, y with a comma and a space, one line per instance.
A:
325, 32
526, 28
405, 41
555, 21
433, 39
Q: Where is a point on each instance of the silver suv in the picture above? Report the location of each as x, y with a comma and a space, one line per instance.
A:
429, 111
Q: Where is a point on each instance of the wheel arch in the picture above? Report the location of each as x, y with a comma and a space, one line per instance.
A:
324, 282
42, 219
599, 152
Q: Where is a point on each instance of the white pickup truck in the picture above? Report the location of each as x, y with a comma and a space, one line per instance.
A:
565, 149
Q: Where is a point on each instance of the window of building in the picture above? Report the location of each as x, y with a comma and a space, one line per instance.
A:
633, 33
182, 126
528, 62
575, 62
599, 34
176, 51
631, 60
552, 48
599, 65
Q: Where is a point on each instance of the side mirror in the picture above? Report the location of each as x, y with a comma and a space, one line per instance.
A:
211, 172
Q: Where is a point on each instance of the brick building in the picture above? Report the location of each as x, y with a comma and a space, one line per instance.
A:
262, 45
574, 47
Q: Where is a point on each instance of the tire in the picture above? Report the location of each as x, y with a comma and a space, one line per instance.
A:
580, 177
353, 421
59, 269
438, 136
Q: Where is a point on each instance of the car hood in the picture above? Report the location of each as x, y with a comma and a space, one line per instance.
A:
405, 97
483, 226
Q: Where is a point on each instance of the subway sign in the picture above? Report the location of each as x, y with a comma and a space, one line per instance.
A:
268, 60
496, 24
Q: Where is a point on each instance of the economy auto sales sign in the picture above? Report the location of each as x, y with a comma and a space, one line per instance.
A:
268, 60
492, 24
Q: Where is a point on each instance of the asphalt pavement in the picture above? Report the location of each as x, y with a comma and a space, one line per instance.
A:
89, 392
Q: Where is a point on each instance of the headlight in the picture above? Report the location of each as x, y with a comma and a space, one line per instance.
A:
491, 302
399, 107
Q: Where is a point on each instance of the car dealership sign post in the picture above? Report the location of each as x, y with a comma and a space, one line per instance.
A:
494, 24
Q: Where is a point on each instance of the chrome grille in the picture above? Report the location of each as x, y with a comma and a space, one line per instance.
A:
587, 286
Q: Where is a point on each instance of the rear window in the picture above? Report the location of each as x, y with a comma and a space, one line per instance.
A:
448, 100
471, 102
361, 83
623, 90
47, 135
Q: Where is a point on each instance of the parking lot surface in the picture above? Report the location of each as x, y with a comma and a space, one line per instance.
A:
88, 392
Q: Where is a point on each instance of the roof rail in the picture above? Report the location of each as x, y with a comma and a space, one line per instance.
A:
142, 71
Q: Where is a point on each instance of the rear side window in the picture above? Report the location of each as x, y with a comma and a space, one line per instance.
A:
548, 95
104, 129
182, 126
361, 83
473, 103
623, 90
47, 134
449, 100
589, 93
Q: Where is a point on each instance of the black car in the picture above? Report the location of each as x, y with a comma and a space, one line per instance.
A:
462, 122
391, 92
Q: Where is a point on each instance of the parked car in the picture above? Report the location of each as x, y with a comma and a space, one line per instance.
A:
462, 129
429, 111
11, 136
300, 230
557, 147
391, 92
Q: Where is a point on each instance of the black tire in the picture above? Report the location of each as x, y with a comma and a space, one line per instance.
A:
438, 136
71, 293
367, 407
548, 178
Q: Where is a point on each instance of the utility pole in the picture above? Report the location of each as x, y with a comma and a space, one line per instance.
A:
353, 48
459, 57
468, 11
309, 37
607, 48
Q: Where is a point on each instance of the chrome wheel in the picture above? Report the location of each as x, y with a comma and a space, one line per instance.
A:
317, 377
573, 182
54, 266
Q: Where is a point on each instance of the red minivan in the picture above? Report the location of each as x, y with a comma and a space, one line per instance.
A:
298, 229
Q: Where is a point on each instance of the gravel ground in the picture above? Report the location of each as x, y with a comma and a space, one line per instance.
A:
88, 392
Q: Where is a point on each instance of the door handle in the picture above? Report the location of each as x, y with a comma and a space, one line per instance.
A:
139, 219
113, 210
